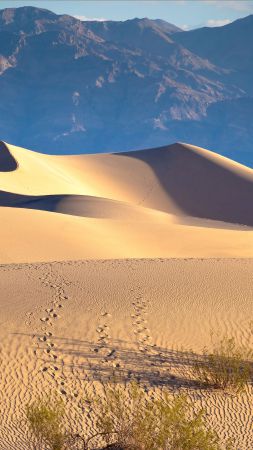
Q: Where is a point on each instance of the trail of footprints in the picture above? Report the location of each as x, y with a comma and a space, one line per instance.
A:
107, 354
139, 322
155, 357
45, 341
104, 347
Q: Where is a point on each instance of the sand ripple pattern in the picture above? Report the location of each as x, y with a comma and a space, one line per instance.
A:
90, 322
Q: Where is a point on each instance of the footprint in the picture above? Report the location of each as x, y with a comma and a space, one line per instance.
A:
54, 315
117, 365
142, 349
50, 344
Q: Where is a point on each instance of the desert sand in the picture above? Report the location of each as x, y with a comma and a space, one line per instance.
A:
175, 201
112, 266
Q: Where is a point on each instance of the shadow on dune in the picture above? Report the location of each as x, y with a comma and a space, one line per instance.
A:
157, 366
199, 186
76, 205
153, 366
7, 162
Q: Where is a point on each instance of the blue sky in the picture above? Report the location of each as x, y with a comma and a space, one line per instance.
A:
184, 13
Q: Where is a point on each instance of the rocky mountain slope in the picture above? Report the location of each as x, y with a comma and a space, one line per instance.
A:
69, 86
230, 46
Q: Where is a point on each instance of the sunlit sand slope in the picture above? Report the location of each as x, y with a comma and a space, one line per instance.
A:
174, 201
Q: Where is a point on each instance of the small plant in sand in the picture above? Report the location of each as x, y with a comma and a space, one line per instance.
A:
132, 420
45, 420
228, 366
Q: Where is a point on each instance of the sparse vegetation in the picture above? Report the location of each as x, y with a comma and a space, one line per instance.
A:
132, 420
228, 366
45, 420
126, 419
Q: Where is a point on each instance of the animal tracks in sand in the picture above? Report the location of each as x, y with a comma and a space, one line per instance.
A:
134, 341
46, 344
104, 346
139, 321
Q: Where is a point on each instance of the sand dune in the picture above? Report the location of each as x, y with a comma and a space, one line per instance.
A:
175, 201
76, 205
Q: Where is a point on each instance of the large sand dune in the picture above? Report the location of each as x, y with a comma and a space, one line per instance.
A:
175, 201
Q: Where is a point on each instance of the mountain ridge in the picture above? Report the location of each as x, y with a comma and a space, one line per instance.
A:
115, 86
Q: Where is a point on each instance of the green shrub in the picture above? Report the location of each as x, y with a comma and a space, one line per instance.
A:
227, 367
45, 418
130, 419
135, 421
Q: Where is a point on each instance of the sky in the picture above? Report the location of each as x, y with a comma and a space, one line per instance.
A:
186, 14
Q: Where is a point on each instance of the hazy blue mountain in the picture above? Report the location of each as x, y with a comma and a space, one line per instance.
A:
151, 36
69, 86
230, 46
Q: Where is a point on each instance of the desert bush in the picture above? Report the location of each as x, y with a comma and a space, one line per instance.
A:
126, 419
132, 420
45, 420
228, 366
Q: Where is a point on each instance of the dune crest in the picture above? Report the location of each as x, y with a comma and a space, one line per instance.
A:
173, 201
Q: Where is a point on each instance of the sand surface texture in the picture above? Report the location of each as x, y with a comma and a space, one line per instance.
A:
69, 326
111, 268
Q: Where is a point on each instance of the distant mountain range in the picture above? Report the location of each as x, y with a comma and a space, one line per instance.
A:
69, 86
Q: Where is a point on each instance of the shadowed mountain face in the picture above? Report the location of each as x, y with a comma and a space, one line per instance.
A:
69, 86
230, 47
